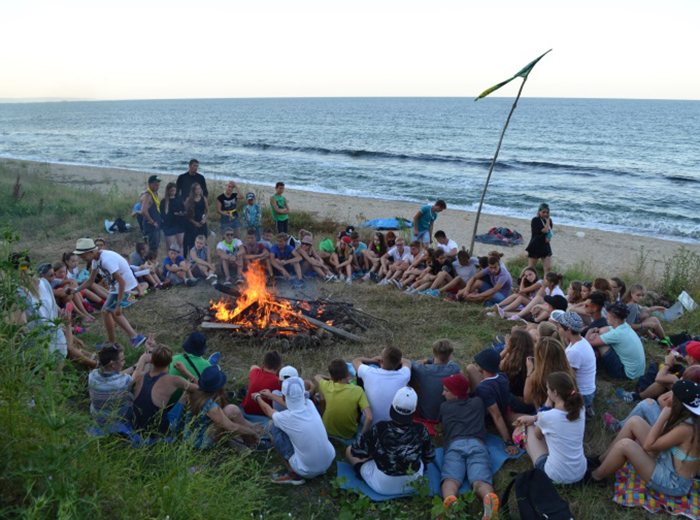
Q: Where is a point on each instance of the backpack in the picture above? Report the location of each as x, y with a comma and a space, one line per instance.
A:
537, 498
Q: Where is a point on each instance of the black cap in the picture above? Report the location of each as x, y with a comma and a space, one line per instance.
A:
688, 393
489, 359
154, 178
558, 302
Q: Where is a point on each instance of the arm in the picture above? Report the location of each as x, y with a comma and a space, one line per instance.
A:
296, 258
281, 211
180, 367
430, 231
368, 420
415, 222
219, 210
365, 361
663, 376
266, 408
657, 442
406, 363
120, 295
500, 424
273, 397
206, 205
88, 282
318, 378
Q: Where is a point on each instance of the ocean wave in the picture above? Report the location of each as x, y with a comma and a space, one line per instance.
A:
682, 179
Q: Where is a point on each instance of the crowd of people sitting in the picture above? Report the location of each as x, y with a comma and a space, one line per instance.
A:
534, 388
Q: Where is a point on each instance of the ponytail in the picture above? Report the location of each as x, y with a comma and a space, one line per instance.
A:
554, 278
495, 257
564, 385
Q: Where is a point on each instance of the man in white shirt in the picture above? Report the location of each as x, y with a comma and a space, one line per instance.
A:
115, 269
230, 251
580, 355
396, 261
383, 381
298, 434
450, 247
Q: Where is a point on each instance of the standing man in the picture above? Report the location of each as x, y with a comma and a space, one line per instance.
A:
187, 179
423, 221
150, 212
113, 268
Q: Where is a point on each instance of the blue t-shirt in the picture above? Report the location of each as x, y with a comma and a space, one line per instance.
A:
628, 347
361, 246
426, 218
167, 262
503, 277
429, 379
495, 390
282, 255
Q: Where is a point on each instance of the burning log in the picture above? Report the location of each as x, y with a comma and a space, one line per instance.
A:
335, 330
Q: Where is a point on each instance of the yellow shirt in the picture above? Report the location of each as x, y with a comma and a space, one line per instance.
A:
343, 405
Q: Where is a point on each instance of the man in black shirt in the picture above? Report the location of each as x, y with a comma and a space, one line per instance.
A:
187, 179
392, 454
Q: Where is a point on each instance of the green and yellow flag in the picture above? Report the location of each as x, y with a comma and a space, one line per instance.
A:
522, 74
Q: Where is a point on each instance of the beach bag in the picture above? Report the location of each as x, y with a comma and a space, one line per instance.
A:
537, 498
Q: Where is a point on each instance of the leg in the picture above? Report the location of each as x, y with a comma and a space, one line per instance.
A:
648, 409
625, 450
351, 458
653, 391
474, 375
635, 429
225, 268
234, 413
124, 325
536, 448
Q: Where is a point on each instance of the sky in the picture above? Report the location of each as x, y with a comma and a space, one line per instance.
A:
307, 48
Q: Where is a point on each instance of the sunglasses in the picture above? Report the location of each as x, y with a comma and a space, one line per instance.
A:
228, 235
587, 284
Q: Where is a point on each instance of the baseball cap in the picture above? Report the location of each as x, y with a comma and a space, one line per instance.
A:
250, 196
287, 372
558, 302
154, 178
347, 239
691, 348
688, 393
458, 385
403, 406
293, 392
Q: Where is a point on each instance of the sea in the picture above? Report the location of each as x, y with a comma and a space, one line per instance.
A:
630, 166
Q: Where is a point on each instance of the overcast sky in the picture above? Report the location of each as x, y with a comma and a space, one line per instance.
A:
286, 48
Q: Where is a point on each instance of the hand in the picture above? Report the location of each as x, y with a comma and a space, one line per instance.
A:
666, 412
155, 225
266, 393
670, 359
180, 367
525, 420
150, 340
512, 450
119, 311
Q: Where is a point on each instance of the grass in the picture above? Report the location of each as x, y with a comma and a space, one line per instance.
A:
49, 467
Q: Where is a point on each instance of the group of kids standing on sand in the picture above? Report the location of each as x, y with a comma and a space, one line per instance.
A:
534, 388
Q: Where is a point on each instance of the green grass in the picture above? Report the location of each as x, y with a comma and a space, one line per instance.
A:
49, 467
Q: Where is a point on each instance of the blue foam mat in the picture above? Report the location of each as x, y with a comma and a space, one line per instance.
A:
497, 449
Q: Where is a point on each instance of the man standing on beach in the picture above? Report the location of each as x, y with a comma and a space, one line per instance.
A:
150, 211
187, 179
423, 221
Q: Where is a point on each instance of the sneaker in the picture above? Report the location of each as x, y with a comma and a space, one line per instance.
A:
191, 282
433, 292
342, 277
227, 282
398, 284
287, 477
628, 397
348, 281
500, 312
384, 282
514, 318
366, 277
374, 277
214, 282
214, 358
491, 504
79, 330
137, 341
328, 278
212, 275
611, 423
447, 503
490, 314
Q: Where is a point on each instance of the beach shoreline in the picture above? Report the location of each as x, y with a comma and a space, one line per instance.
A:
606, 252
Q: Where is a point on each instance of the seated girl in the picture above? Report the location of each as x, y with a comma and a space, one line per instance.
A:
550, 287
312, 262
342, 259
618, 288
372, 255
492, 285
517, 349
639, 317
73, 272
668, 454
523, 292
64, 291
555, 436
550, 357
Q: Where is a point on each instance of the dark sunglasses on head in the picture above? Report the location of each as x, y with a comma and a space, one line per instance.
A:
228, 235
587, 284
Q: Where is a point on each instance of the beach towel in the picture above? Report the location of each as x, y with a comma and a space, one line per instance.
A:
429, 425
632, 491
500, 236
497, 449
387, 223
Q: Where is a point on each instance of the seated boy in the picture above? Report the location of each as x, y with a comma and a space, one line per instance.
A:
493, 388
254, 251
193, 359
200, 259
466, 454
267, 238
397, 256
449, 246
359, 247
284, 258
177, 269
382, 382
394, 453
341, 401
465, 268
264, 378
298, 434
428, 374
230, 252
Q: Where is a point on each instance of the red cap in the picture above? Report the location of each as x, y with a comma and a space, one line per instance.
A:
347, 239
458, 385
692, 348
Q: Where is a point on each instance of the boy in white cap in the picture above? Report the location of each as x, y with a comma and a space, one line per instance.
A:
392, 454
115, 269
298, 434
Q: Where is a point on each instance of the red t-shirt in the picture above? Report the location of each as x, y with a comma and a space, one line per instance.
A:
259, 379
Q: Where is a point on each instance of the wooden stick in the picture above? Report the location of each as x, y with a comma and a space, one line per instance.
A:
338, 332
215, 325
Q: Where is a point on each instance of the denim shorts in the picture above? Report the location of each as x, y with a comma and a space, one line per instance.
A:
228, 222
666, 480
110, 304
281, 441
467, 458
422, 236
612, 364
541, 462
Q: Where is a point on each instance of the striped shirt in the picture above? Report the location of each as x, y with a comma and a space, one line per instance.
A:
110, 396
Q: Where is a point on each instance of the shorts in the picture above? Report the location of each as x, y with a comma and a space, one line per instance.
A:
175, 279
281, 441
282, 226
152, 236
422, 236
110, 304
588, 400
228, 222
541, 462
467, 458
666, 480
385, 484
612, 364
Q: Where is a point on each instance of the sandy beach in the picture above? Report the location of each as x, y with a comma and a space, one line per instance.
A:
603, 252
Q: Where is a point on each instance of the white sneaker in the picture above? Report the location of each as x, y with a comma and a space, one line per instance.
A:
398, 284
384, 282
328, 278
211, 276
366, 277
342, 277
348, 281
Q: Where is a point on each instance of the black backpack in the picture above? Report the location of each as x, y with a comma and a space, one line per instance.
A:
537, 498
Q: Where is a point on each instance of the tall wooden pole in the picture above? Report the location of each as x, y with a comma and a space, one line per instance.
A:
493, 163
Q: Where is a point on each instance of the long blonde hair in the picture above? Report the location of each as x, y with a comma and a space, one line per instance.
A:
550, 357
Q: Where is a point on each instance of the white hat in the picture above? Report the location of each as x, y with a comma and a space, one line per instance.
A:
404, 405
293, 392
555, 315
84, 245
287, 372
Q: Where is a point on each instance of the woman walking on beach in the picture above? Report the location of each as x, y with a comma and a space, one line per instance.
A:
539, 246
174, 218
197, 211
